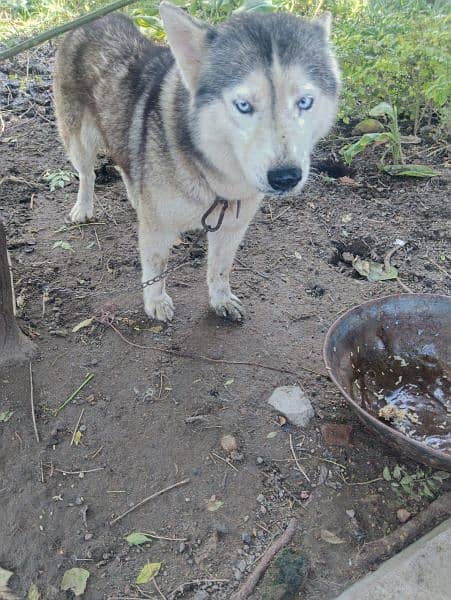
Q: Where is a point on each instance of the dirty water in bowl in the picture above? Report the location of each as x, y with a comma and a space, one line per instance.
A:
412, 393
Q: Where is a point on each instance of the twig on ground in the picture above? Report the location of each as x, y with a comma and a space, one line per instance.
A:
170, 487
439, 267
298, 464
405, 287
251, 269
285, 210
74, 394
364, 482
158, 589
65, 472
76, 426
381, 549
192, 356
251, 582
196, 418
152, 534
33, 414
224, 460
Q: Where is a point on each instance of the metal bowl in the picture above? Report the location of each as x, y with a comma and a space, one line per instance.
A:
398, 349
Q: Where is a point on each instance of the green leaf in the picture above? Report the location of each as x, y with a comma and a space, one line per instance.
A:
255, 6
6, 415
374, 271
386, 474
33, 593
397, 472
330, 537
406, 480
271, 435
351, 150
229, 382
426, 491
64, 245
410, 171
75, 580
148, 572
137, 538
382, 109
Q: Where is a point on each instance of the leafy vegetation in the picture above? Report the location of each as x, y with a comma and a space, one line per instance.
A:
391, 51
421, 483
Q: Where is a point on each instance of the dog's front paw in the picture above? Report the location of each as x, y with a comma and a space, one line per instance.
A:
81, 213
161, 309
229, 308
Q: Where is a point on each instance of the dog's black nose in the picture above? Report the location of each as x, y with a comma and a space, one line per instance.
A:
284, 178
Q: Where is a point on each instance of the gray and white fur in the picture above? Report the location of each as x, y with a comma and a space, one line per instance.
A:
230, 111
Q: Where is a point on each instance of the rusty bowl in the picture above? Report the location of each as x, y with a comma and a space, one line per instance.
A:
398, 348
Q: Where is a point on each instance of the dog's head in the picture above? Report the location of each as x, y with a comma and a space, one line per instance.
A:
263, 88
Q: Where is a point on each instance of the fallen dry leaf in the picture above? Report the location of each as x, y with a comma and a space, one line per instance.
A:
330, 537
82, 324
148, 572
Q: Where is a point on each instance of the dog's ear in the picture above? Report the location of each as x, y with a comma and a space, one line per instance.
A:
187, 37
325, 20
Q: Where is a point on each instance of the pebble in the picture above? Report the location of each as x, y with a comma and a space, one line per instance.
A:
229, 443
260, 498
241, 565
182, 547
260, 460
291, 401
79, 500
403, 515
246, 538
88, 536
350, 513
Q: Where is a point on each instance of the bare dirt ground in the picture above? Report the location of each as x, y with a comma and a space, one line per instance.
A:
138, 436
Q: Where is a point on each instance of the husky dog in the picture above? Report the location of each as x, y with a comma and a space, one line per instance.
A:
231, 112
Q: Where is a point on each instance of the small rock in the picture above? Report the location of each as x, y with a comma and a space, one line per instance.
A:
292, 402
241, 565
246, 538
260, 498
403, 515
350, 513
79, 500
229, 443
260, 460
88, 536
336, 434
182, 547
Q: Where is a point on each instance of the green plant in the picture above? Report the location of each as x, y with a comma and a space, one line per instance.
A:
391, 137
393, 140
58, 179
421, 483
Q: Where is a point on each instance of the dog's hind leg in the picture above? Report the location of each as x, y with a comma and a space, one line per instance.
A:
82, 148
155, 245
222, 246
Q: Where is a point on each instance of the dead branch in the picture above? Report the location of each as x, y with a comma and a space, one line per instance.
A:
379, 550
249, 585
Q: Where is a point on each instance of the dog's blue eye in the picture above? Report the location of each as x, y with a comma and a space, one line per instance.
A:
305, 103
244, 107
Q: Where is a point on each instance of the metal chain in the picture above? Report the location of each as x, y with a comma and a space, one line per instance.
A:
184, 261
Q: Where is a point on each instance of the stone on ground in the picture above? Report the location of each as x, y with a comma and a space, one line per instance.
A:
292, 402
